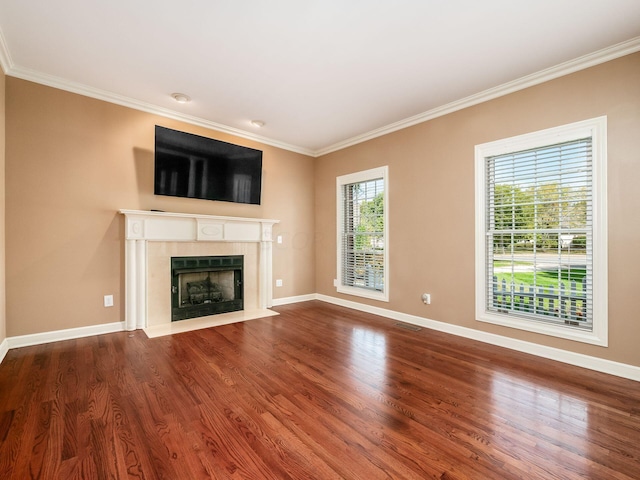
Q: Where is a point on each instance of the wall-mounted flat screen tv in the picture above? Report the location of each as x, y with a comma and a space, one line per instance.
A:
192, 166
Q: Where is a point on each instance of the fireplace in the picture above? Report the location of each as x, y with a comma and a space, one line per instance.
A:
153, 238
202, 286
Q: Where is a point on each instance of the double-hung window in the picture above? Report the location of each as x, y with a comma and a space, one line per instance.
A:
541, 254
363, 240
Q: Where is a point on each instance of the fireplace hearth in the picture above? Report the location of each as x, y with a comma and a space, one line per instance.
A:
202, 286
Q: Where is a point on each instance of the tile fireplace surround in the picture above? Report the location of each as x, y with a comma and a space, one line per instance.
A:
152, 238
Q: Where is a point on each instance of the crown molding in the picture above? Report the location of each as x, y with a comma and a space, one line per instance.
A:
566, 68
81, 89
596, 58
5, 57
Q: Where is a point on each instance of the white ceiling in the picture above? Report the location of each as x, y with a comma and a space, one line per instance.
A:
321, 74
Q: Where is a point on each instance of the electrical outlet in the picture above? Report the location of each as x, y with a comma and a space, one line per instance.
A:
335, 282
426, 298
279, 239
108, 300
279, 282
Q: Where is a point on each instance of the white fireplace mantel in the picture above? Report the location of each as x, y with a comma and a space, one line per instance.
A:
142, 227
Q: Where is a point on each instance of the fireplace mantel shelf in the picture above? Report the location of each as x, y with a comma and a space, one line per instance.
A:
143, 226
189, 227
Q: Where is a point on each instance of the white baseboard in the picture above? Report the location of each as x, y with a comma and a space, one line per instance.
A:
68, 334
299, 298
593, 363
4, 348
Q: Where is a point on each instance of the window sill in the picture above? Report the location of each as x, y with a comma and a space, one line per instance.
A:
362, 292
594, 337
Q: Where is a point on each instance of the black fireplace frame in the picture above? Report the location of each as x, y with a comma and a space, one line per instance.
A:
181, 265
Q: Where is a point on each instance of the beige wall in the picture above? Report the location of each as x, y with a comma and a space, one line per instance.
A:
71, 163
3, 317
431, 192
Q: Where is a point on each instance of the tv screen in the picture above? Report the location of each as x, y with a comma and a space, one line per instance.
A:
192, 166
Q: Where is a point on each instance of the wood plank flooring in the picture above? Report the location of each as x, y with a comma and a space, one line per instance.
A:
319, 392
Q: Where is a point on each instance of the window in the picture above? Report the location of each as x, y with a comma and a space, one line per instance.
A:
541, 253
363, 239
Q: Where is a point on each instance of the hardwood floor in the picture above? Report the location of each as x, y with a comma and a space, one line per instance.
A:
318, 392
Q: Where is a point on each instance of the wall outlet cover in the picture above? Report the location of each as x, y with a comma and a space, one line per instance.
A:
108, 300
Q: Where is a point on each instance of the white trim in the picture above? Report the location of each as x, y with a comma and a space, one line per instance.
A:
596, 128
142, 227
296, 299
5, 57
91, 92
4, 348
67, 334
363, 292
357, 177
581, 63
602, 365
585, 361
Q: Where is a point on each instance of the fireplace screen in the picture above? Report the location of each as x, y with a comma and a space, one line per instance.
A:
198, 288
202, 286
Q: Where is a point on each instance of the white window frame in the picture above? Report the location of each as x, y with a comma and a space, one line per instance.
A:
595, 128
357, 177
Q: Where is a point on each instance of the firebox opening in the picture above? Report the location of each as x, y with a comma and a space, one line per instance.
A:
202, 286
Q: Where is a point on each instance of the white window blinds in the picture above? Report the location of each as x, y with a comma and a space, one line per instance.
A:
539, 248
363, 235
362, 200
